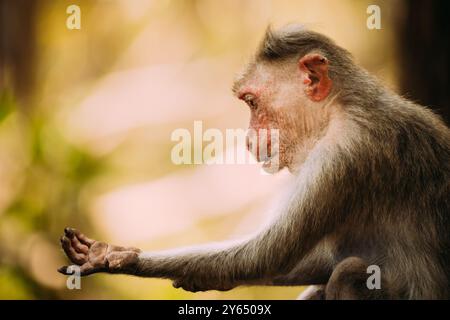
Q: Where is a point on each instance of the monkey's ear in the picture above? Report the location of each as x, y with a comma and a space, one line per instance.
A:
314, 69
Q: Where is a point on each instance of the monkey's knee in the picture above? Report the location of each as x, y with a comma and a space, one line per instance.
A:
349, 282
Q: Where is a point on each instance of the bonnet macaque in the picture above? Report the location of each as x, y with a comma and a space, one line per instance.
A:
372, 173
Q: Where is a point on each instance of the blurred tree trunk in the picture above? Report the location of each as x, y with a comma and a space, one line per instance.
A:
424, 49
17, 47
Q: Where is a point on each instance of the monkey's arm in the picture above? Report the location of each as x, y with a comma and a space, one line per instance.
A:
267, 258
255, 261
286, 252
313, 210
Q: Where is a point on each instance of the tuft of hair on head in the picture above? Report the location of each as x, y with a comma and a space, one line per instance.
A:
294, 40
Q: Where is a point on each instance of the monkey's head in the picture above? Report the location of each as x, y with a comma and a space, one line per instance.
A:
288, 86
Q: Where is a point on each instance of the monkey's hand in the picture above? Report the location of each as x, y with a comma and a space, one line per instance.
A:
94, 256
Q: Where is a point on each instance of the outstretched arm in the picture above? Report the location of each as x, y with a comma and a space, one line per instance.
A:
260, 260
270, 255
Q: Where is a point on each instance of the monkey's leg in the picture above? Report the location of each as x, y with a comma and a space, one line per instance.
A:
349, 282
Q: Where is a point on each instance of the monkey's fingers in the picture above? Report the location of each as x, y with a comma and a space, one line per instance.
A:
74, 256
85, 270
76, 244
63, 270
74, 233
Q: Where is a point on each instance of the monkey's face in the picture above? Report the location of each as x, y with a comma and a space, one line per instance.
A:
275, 95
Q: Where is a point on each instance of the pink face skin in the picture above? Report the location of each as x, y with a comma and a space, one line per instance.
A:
283, 96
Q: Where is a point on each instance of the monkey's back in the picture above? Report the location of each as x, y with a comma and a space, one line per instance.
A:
401, 178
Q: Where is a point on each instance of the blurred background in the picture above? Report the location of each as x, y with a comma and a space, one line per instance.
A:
86, 118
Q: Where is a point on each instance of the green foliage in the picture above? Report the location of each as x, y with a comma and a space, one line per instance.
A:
49, 179
13, 285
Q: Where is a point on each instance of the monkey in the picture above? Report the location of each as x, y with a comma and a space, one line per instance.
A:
371, 174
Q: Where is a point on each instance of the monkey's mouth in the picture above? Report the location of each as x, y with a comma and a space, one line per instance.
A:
270, 161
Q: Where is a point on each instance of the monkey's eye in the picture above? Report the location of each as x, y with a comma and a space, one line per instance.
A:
250, 100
